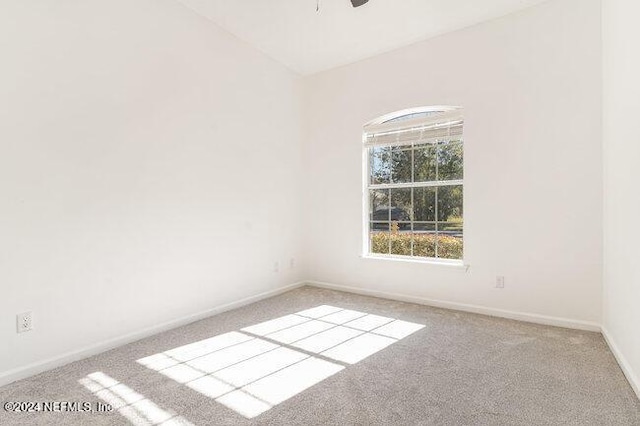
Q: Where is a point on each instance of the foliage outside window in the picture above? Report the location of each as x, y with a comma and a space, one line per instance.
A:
414, 185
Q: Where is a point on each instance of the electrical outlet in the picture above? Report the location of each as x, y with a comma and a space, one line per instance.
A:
499, 281
24, 322
276, 266
292, 263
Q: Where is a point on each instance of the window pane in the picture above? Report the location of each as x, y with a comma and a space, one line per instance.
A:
450, 237
379, 205
401, 242
400, 205
424, 204
400, 165
424, 227
425, 163
424, 239
450, 246
452, 227
450, 161
449, 203
379, 226
379, 241
380, 164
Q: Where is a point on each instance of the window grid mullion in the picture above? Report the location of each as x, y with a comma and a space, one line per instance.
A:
437, 191
411, 217
434, 183
389, 221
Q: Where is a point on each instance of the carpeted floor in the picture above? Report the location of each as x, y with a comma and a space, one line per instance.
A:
387, 363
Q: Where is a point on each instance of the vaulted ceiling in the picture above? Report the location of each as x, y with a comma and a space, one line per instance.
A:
306, 41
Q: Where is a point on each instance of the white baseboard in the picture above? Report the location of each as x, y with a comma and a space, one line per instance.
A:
60, 360
633, 379
520, 316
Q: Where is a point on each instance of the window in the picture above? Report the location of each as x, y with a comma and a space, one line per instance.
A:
414, 184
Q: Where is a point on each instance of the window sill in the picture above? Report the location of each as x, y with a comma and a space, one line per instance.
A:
454, 264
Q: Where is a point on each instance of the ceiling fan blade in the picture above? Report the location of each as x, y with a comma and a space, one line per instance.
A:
357, 3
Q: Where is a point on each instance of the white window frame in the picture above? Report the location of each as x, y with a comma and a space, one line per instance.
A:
380, 124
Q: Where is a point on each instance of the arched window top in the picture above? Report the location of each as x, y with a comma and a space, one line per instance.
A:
418, 115
413, 115
426, 124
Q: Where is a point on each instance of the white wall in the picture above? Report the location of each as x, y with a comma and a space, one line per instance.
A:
530, 84
148, 169
621, 177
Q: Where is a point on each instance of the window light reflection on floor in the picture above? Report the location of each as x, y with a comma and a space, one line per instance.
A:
260, 366
135, 407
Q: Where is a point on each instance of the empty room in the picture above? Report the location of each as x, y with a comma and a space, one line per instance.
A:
319, 212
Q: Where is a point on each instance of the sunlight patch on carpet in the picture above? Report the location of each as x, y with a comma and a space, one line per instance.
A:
252, 370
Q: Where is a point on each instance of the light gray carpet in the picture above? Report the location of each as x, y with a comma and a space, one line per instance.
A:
460, 369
